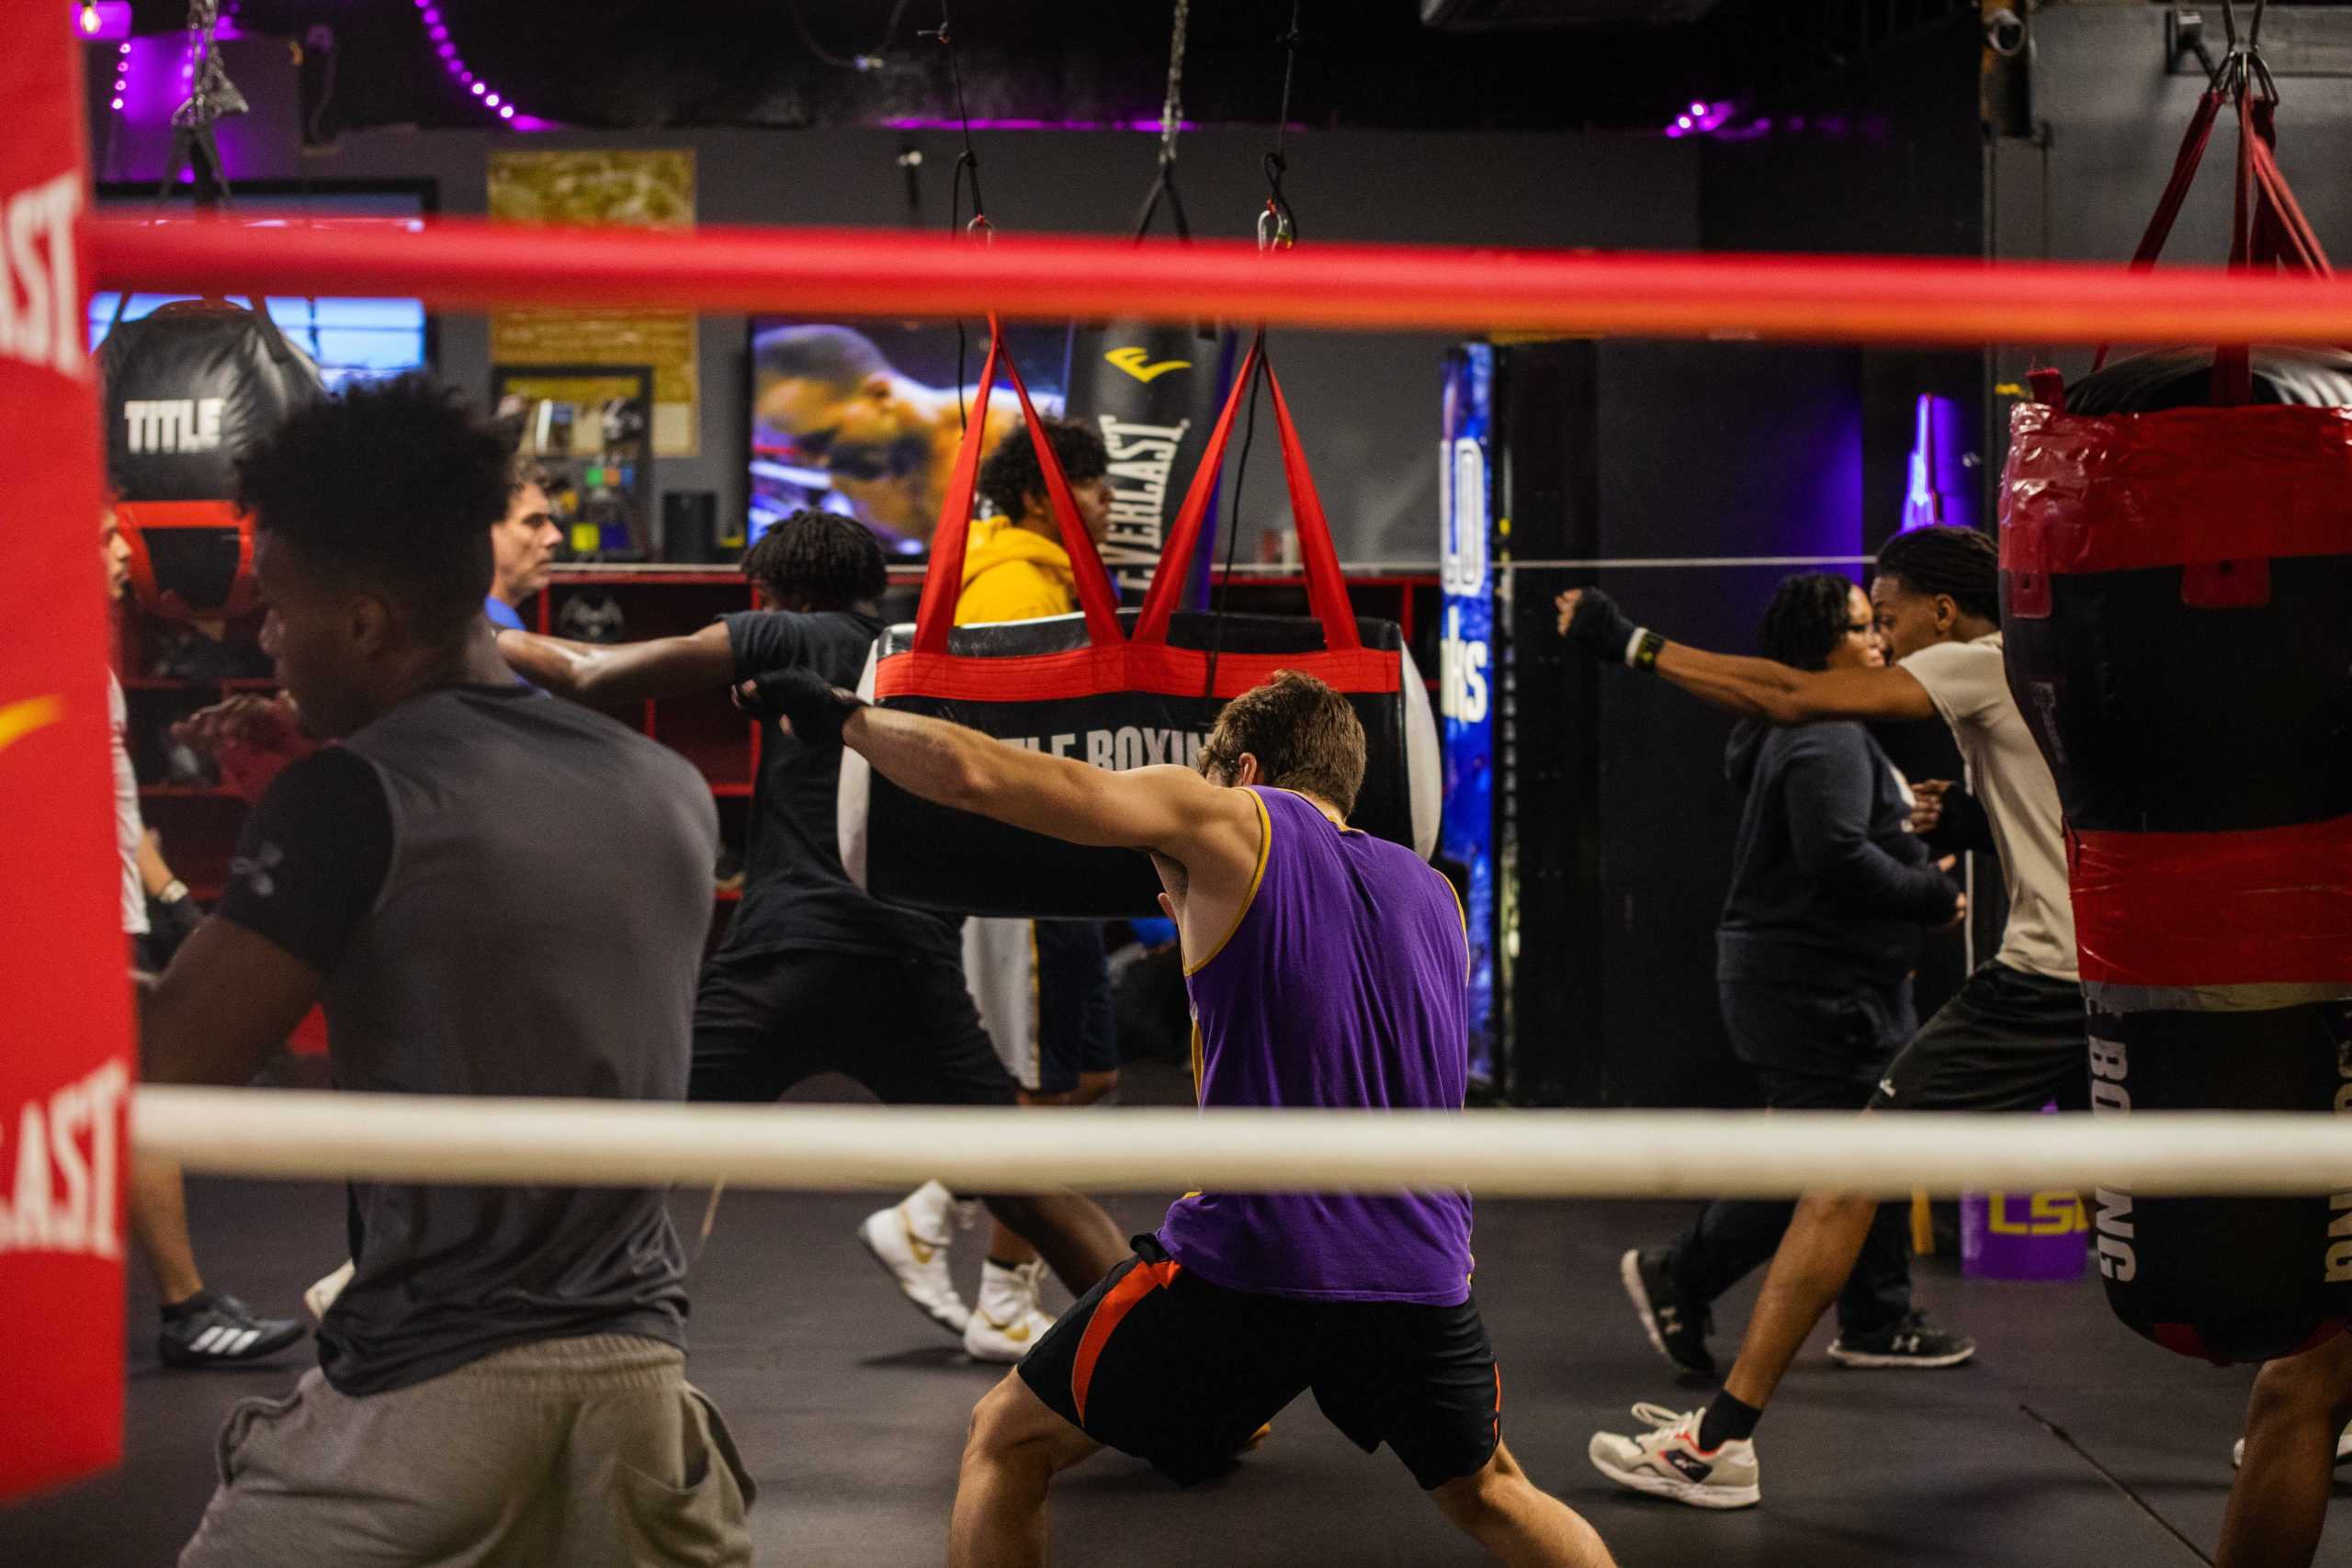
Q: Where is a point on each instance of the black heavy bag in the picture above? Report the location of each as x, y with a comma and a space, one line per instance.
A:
1150, 391
1119, 690
188, 387
2176, 578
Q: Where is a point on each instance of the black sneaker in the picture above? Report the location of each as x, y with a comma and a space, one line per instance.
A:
221, 1333
1907, 1342
1679, 1333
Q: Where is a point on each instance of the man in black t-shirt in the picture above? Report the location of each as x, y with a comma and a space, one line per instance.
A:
503, 1378
815, 975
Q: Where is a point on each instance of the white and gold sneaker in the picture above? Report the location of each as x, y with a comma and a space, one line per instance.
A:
910, 1240
1007, 1321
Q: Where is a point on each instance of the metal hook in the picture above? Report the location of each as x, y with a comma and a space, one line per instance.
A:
1277, 225
1274, 230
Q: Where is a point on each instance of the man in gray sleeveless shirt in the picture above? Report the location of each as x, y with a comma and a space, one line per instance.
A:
502, 1382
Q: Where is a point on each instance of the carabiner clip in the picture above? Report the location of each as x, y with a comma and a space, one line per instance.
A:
1274, 232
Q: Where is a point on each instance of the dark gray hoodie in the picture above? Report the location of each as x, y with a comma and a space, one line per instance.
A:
1829, 887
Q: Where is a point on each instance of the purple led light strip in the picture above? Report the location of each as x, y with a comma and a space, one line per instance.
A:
436, 32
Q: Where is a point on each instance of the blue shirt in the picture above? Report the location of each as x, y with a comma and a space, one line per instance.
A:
502, 614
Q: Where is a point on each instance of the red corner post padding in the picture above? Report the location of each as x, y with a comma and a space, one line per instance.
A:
64, 993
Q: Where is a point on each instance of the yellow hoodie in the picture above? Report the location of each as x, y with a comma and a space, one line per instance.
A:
1012, 574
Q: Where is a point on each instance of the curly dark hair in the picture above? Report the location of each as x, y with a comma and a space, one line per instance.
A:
1012, 478
389, 485
1960, 562
1806, 620
830, 562
1304, 734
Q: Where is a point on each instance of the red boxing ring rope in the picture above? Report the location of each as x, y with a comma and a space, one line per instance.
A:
459, 264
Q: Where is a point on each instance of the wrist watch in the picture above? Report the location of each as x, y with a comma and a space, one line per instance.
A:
173, 891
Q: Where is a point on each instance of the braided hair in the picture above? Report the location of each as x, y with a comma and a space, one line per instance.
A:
1013, 474
1959, 562
830, 562
1807, 619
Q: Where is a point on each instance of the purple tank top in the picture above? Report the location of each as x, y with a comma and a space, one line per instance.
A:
1344, 985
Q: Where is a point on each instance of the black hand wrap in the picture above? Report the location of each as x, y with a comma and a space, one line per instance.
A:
1605, 631
170, 921
813, 706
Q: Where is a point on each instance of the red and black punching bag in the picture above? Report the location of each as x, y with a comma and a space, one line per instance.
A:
2176, 588
188, 387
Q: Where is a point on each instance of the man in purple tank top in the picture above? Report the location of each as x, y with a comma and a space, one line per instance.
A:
1328, 969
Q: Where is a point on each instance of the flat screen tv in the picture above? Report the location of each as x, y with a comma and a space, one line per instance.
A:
864, 418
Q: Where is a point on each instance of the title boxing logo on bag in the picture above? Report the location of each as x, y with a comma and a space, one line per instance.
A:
36, 267
1117, 751
173, 425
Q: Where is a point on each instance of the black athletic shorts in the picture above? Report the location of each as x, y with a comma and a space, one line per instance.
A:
2007, 1040
1076, 1032
903, 1026
1159, 1363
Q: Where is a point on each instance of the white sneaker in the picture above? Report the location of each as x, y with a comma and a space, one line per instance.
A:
910, 1240
2343, 1450
1666, 1461
1006, 1322
322, 1295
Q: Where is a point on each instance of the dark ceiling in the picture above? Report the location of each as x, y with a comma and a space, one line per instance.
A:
1476, 64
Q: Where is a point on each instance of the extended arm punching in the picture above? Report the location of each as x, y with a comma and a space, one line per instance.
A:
1171, 812
1775, 693
1205, 839
604, 673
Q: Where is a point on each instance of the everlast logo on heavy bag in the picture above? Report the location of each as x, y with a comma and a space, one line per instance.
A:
1141, 457
1150, 389
36, 267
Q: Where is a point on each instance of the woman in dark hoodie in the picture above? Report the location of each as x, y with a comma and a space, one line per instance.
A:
1831, 891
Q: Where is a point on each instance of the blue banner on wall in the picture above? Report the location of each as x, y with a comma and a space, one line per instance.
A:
1465, 667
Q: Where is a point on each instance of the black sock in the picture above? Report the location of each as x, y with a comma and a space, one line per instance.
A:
1726, 1418
173, 1312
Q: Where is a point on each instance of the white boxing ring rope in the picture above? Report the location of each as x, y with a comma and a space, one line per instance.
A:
1494, 1154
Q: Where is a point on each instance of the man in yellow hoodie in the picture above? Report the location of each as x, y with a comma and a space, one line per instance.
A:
1014, 566
1016, 569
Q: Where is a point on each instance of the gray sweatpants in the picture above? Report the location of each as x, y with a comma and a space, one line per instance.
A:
585, 1452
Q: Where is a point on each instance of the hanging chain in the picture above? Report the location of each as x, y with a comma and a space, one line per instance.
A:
1278, 225
1171, 110
1171, 116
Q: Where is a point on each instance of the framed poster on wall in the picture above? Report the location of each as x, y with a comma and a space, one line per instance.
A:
588, 426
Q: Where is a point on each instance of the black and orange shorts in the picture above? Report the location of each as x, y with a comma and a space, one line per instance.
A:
1157, 1362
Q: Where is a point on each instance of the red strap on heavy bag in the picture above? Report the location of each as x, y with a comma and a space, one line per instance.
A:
65, 1066
1081, 686
2176, 575
188, 387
